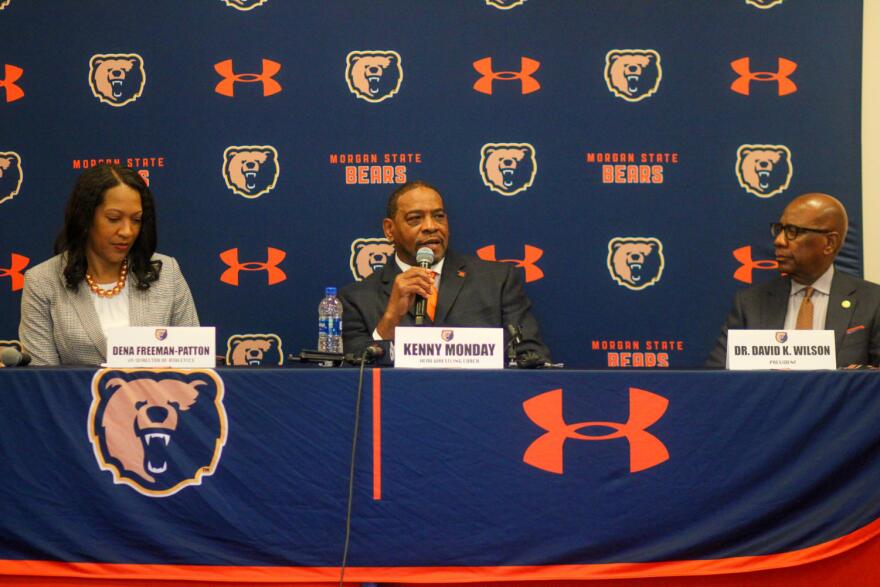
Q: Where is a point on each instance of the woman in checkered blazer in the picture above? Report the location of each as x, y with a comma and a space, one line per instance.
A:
105, 273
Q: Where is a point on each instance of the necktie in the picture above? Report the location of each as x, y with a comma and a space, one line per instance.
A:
805, 314
432, 300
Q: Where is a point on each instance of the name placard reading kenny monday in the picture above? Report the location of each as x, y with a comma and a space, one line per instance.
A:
187, 347
448, 348
780, 349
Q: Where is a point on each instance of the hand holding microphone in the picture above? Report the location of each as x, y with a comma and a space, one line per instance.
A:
12, 357
408, 287
425, 258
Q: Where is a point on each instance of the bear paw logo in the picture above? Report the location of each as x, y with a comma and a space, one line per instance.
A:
505, 4
635, 262
508, 168
244, 5
254, 350
11, 175
373, 75
157, 430
251, 170
369, 255
764, 4
633, 74
764, 170
117, 79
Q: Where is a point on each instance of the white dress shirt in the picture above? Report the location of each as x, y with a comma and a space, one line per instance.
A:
113, 311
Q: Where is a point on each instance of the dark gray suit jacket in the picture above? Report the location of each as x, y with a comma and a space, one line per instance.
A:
472, 292
856, 328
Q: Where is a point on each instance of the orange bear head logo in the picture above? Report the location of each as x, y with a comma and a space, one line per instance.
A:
508, 168
369, 255
251, 170
633, 74
373, 76
117, 79
254, 350
635, 262
764, 170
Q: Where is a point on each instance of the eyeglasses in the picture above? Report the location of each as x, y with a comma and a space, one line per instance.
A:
792, 231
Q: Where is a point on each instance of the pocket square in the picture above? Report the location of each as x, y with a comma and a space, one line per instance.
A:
855, 328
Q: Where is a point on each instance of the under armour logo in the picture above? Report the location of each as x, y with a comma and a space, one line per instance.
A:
645, 449
11, 75
15, 269
274, 274
530, 257
528, 84
227, 86
744, 256
742, 85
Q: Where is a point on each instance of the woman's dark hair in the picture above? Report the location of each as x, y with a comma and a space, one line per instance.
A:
88, 194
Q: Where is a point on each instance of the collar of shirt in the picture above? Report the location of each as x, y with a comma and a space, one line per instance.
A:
437, 268
821, 285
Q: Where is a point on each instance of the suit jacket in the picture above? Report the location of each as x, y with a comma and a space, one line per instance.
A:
472, 292
61, 327
856, 328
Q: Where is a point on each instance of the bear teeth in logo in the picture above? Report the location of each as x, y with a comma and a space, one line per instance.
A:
635, 262
505, 4
764, 170
764, 3
254, 350
251, 170
11, 175
373, 75
369, 255
633, 74
244, 4
157, 430
508, 168
117, 79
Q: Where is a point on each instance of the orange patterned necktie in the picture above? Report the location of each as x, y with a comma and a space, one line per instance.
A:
432, 300
805, 313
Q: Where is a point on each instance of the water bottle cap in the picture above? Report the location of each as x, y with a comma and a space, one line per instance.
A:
330, 291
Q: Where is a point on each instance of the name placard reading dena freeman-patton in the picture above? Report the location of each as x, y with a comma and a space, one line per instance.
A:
186, 347
780, 349
448, 348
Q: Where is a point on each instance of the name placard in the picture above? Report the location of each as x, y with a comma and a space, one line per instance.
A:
187, 347
780, 349
448, 348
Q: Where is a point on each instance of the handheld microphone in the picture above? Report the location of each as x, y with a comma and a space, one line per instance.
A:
12, 357
524, 359
424, 258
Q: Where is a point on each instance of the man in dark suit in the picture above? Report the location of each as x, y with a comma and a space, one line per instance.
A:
811, 294
471, 292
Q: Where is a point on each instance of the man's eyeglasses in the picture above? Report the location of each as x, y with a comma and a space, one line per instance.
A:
792, 231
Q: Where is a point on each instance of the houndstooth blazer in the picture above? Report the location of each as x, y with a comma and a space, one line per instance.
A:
61, 327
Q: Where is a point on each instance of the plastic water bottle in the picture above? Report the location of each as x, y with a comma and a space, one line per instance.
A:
330, 322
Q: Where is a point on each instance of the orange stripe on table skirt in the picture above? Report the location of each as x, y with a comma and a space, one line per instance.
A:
229, 574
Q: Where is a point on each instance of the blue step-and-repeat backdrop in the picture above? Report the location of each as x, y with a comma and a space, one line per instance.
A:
627, 155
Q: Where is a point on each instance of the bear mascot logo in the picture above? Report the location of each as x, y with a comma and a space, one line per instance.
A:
635, 262
254, 350
251, 170
764, 170
633, 74
11, 175
508, 168
117, 79
244, 4
9, 344
373, 75
369, 255
764, 4
157, 430
505, 4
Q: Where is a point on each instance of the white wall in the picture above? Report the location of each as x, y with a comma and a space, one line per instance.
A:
871, 139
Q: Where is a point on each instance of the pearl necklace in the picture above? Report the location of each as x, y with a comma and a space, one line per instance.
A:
109, 293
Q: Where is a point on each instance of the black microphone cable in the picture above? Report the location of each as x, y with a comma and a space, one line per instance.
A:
370, 352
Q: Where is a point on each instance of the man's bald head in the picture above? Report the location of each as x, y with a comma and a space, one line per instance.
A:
812, 233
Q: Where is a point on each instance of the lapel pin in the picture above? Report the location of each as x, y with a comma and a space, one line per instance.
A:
845, 304
461, 273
